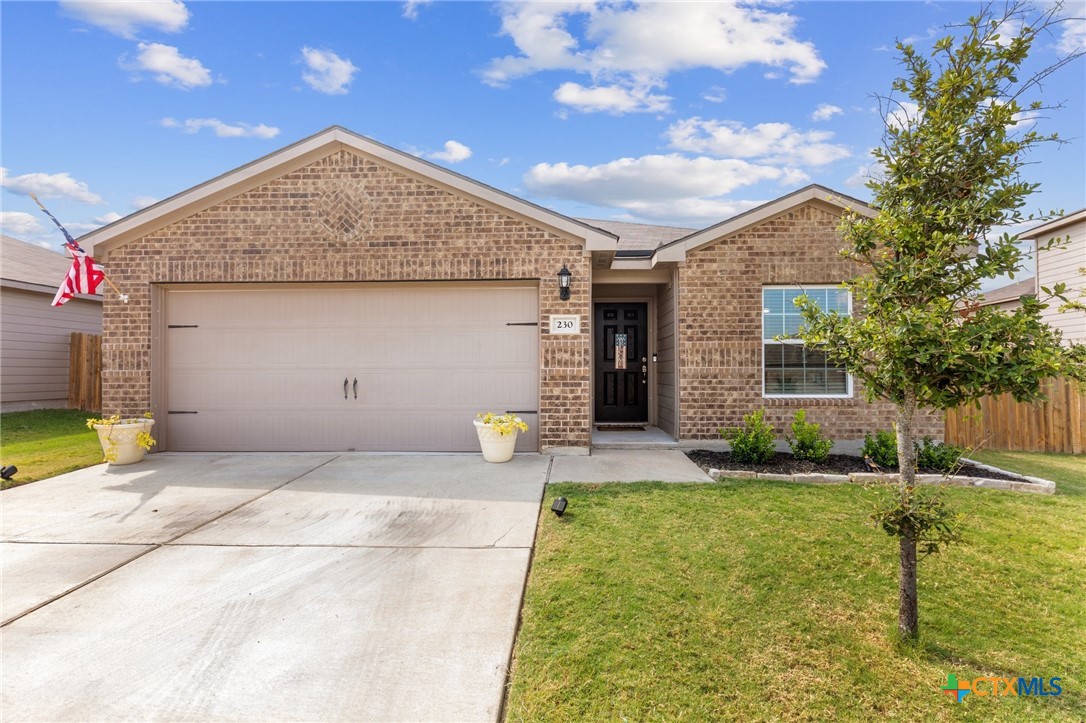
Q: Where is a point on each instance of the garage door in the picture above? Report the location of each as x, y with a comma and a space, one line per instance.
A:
371, 368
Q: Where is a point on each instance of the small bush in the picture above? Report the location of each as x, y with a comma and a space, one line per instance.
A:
752, 443
808, 443
881, 448
936, 455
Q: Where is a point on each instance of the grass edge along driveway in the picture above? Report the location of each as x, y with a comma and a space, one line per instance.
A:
47, 442
764, 600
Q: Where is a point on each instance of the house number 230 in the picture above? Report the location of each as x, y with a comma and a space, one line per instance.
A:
570, 324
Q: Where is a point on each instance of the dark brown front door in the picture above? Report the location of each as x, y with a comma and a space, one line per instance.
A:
622, 368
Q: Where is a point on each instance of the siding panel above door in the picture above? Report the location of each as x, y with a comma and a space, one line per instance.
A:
264, 368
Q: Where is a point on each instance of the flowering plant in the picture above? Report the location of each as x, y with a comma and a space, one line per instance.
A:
503, 424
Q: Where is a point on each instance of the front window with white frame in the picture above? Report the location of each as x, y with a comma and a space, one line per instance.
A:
790, 368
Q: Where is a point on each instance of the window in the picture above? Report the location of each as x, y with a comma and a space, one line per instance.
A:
790, 368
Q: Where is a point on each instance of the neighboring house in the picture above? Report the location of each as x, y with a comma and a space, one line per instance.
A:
1010, 296
339, 294
1063, 264
34, 336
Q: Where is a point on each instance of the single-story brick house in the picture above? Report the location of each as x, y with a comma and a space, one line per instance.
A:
339, 294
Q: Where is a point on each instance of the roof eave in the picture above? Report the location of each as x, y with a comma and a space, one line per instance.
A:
677, 249
1050, 226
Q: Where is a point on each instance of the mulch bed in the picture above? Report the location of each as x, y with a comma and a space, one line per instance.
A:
784, 463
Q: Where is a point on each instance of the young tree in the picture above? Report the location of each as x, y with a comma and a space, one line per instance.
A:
953, 149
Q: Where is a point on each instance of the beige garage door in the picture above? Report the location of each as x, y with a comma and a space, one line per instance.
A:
370, 368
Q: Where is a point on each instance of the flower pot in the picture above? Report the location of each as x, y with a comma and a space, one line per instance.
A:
120, 441
496, 447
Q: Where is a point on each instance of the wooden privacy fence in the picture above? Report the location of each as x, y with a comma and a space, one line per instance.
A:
85, 372
1058, 425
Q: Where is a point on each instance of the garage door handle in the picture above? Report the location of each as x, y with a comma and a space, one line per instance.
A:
345, 383
356, 387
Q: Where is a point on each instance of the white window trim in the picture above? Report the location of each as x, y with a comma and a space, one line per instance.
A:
802, 287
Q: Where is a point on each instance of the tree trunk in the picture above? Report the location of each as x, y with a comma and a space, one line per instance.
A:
908, 612
908, 615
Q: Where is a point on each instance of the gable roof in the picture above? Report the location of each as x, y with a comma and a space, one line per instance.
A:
677, 249
1010, 292
309, 150
30, 267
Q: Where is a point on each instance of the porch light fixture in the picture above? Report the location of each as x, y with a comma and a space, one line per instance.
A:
559, 506
564, 277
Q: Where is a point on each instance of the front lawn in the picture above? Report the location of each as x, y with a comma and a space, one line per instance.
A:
762, 600
47, 442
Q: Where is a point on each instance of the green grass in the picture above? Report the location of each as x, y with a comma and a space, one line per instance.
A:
47, 442
759, 600
1068, 471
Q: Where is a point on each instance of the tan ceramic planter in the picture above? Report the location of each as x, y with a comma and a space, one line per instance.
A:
121, 438
496, 447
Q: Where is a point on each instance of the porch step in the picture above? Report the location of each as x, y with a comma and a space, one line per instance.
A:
649, 438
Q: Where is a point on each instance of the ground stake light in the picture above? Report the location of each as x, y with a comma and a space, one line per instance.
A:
8, 472
559, 506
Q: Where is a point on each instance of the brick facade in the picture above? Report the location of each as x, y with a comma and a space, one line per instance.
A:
347, 217
720, 328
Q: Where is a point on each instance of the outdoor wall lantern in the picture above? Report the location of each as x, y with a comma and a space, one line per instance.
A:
564, 277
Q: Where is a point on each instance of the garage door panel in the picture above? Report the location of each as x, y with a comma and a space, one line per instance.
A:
264, 368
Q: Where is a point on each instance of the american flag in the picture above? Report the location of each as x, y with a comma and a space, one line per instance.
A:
83, 278
86, 274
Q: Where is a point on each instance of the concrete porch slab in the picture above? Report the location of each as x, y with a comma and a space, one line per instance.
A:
154, 501
627, 465
397, 501
235, 633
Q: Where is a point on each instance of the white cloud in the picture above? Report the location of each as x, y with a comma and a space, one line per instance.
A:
669, 187
1072, 36
168, 66
871, 170
454, 153
328, 73
411, 8
825, 111
614, 99
125, 17
902, 114
649, 41
222, 130
49, 185
777, 143
107, 218
716, 94
143, 202
20, 225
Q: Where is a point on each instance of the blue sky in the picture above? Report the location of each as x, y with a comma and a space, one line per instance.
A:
679, 113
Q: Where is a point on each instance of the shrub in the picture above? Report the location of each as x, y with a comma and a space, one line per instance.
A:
808, 443
881, 448
752, 443
936, 455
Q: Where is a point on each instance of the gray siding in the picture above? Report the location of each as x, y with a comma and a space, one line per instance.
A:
34, 339
666, 403
1063, 264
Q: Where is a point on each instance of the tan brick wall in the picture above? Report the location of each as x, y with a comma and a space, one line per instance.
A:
300, 228
720, 322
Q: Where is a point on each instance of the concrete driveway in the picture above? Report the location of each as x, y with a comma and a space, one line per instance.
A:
266, 587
